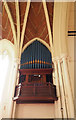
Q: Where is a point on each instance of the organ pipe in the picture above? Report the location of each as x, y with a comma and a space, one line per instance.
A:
36, 56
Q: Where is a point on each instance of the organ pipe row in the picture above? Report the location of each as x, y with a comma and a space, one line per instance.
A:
36, 56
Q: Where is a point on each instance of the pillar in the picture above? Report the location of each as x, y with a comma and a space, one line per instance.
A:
58, 113
70, 101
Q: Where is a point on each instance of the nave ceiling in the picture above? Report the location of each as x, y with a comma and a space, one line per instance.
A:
24, 21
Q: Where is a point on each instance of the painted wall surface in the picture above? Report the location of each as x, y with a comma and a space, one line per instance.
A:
71, 61
9, 86
35, 111
63, 50
70, 46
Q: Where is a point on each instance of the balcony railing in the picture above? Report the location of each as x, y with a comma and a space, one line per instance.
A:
35, 92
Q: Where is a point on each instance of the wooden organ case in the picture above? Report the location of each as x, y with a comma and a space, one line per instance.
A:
35, 82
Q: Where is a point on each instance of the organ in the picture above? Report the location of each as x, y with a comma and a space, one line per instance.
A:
35, 76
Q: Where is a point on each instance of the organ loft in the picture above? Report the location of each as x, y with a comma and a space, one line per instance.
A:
37, 59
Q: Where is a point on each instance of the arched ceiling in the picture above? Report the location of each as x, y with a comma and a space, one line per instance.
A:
36, 22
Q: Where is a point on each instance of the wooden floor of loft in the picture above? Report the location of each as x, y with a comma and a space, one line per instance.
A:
35, 93
32, 99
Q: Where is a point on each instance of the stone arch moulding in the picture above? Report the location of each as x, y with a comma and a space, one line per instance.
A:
40, 40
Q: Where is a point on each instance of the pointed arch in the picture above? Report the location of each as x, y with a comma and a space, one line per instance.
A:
36, 55
38, 39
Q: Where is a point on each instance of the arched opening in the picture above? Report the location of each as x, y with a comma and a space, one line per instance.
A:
37, 39
35, 80
36, 56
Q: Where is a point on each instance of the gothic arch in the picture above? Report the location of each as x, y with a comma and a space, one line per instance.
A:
40, 40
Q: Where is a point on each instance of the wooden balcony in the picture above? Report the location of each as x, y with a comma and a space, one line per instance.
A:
35, 93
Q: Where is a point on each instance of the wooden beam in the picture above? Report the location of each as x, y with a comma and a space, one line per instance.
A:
24, 25
48, 22
11, 21
18, 23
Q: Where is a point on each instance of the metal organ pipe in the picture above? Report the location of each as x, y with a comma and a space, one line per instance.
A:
36, 55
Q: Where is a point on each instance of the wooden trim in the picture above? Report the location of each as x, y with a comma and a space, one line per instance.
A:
71, 31
35, 71
71, 34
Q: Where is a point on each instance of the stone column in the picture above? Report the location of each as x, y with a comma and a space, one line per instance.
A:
58, 113
17, 66
68, 87
62, 90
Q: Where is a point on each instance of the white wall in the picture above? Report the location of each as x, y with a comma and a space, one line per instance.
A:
63, 50
35, 111
9, 86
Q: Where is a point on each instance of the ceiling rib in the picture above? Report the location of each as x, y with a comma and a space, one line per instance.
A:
48, 22
18, 22
11, 22
24, 25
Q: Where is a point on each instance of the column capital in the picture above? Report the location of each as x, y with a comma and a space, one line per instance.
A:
65, 57
17, 60
56, 59
61, 58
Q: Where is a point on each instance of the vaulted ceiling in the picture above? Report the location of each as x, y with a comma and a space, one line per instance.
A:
33, 15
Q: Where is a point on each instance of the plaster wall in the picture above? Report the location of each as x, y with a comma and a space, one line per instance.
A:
9, 85
35, 111
71, 62
64, 46
70, 46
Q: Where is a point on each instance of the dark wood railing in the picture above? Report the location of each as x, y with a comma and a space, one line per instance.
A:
35, 92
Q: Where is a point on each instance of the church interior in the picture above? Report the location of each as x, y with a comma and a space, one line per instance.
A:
37, 41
